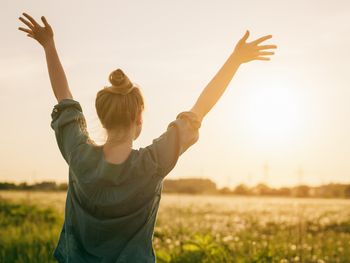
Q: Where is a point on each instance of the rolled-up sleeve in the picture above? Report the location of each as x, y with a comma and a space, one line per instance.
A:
179, 136
70, 127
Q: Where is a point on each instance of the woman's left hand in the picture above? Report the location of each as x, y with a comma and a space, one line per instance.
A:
249, 51
44, 35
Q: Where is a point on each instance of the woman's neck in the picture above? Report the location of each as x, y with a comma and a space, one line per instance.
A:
117, 152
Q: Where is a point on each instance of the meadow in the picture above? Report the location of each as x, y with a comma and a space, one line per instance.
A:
196, 228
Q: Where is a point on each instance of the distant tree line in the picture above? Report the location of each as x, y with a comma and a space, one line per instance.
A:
42, 186
190, 186
206, 186
331, 190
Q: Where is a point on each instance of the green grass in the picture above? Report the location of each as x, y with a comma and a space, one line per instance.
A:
28, 233
200, 229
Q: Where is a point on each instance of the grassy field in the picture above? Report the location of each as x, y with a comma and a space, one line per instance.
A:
196, 228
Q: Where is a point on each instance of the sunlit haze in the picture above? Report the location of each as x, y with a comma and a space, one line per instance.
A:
282, 122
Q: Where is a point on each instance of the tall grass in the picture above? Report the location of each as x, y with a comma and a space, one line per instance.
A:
28, 233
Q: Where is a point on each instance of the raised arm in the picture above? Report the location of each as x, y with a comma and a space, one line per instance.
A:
44, 35
243, 52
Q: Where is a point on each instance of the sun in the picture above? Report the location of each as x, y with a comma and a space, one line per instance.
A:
273, 112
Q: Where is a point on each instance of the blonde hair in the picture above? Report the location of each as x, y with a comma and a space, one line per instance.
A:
119, 105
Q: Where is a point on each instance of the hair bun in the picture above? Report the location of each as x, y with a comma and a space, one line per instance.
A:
118, 79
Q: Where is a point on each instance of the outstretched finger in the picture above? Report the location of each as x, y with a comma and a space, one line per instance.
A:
31, 19
261, 39
266, 47
26, 22
45, 21
25, 30
264, 53
30, 35
262, 58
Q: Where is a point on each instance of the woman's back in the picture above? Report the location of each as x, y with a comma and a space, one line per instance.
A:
111, 209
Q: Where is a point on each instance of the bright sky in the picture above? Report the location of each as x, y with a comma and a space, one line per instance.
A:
289, 114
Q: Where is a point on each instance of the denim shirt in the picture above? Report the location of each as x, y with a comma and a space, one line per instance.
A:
111, 209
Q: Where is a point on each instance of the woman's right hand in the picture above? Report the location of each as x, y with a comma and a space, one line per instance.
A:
44, 35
